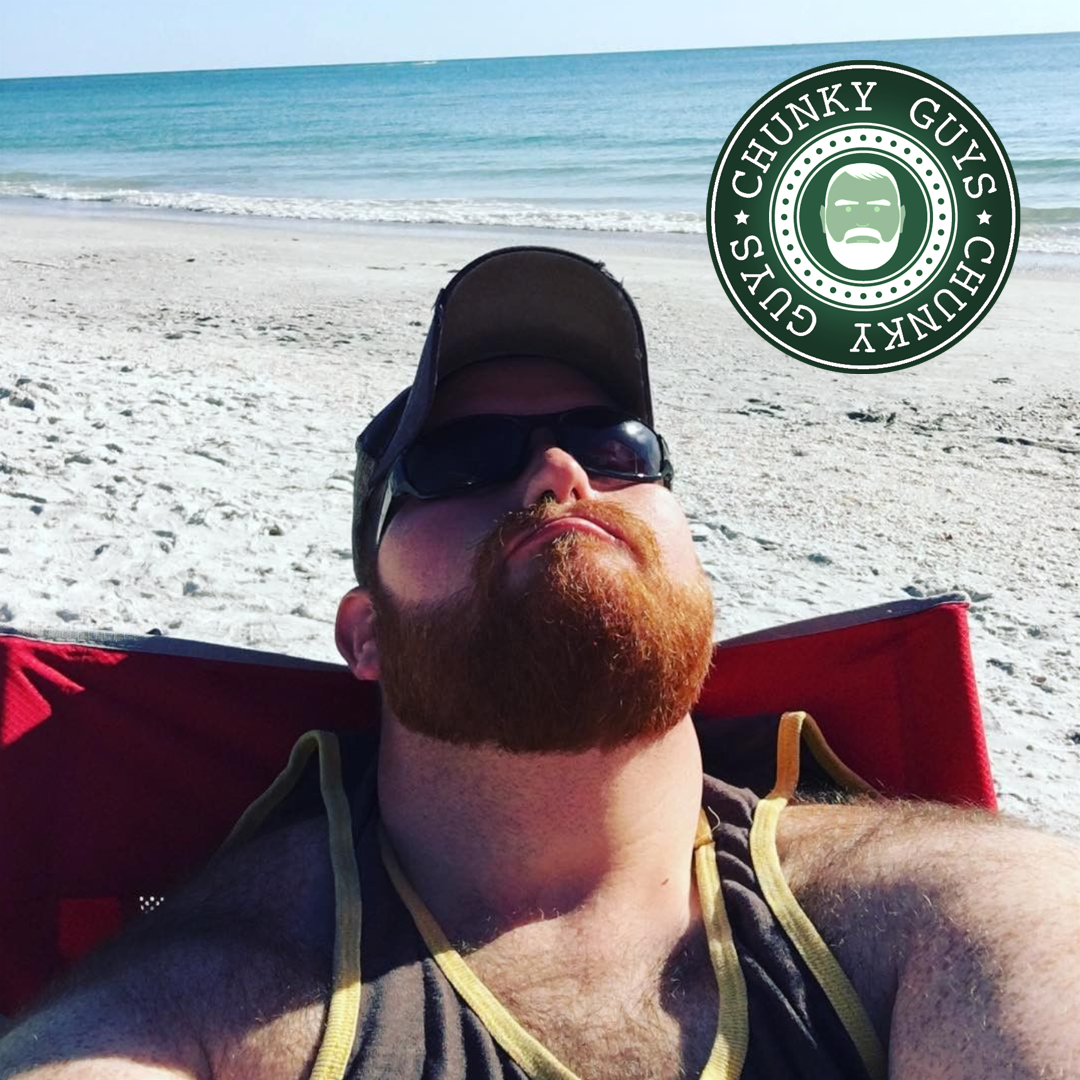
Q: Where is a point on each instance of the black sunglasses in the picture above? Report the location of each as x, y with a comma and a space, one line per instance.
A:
478, 451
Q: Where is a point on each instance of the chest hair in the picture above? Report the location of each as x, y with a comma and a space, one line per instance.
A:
610, 1014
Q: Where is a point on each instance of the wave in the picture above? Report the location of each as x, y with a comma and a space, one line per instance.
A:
1050, 215
1067, 166
1048, 230
391, 211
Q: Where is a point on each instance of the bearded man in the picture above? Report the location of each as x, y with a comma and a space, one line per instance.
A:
862, 216
537, 880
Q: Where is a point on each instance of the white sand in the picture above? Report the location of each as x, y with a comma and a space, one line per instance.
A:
197, 386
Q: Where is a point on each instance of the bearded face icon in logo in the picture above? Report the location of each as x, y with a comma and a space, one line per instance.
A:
862, 216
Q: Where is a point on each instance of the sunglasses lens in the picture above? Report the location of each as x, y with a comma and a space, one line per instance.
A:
612, 444
479, 450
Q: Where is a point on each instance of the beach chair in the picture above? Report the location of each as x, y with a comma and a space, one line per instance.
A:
124, 761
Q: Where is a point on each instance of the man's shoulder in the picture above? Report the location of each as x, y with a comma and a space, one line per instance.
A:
894, 886
233, 969
281, 880
852, 864
898, 840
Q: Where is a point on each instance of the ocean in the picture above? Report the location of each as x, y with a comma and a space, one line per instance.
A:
608, 141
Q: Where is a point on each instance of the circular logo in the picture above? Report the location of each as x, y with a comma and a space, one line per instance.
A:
863, 217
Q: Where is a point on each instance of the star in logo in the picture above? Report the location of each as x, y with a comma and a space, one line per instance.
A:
984, 218
741, 217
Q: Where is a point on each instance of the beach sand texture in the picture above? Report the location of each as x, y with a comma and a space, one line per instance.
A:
180, 399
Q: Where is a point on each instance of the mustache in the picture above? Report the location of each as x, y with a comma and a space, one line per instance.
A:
617, 520
862, 231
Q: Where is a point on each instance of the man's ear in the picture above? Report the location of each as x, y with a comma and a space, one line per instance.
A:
354, 633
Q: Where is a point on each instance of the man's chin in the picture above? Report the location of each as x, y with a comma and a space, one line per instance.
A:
862, 254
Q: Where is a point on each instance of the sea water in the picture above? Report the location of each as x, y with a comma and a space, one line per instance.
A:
608, 141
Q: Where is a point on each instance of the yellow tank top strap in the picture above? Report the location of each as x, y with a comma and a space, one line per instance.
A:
343, 1015
733, 1023
733, 1028
795, 728
530, 1054
344, 1009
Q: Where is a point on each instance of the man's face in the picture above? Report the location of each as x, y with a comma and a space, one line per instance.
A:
862, 219
588, 632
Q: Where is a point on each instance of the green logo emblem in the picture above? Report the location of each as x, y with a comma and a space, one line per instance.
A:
863, 217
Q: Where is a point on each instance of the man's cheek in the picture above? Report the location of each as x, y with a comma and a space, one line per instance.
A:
677, 549
421, 558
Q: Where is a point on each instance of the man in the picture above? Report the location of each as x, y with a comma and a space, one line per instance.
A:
537, 881
862, 216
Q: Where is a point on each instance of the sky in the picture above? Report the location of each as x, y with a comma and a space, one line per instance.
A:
79, 37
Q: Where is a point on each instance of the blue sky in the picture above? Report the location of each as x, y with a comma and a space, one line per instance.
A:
67, 37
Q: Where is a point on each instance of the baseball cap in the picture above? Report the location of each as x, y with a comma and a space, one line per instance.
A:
524, 301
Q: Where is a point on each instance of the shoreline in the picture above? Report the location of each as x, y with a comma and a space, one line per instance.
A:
180, 396
1046, 265
29, 206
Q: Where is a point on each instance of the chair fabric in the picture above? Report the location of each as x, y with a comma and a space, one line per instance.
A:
124, 761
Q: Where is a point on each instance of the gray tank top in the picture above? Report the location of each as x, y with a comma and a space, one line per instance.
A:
404, 1003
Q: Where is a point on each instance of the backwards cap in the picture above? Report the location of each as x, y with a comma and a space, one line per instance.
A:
513, 302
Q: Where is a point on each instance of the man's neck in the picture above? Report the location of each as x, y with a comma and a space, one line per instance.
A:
492, 840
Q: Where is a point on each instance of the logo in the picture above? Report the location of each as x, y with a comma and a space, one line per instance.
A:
863, 217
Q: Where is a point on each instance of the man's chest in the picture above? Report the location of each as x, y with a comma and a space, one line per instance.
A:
599, 1028
601, 1021
619, 1015
613, 1036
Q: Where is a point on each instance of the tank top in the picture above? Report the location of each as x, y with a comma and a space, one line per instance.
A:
405, 1004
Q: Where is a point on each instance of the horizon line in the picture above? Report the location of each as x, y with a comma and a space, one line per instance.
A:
529, 56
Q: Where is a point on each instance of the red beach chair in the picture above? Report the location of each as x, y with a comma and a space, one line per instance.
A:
124, 761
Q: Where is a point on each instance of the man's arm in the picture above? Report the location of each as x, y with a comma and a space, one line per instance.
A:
959, 930
228, 979
143, 1021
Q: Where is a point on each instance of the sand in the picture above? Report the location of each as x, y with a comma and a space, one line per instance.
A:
180, 398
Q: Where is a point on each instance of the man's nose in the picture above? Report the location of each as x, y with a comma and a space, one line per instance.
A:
552, 469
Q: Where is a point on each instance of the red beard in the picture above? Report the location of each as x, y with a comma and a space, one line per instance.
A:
589, 654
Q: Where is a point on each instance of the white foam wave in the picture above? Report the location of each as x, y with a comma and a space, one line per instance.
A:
1045, 233
1061, 239
420, 211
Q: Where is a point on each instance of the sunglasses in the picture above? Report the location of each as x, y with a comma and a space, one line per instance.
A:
478, 451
